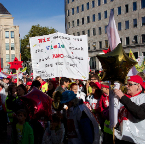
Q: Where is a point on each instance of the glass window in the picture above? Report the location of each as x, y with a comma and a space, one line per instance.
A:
72, 0
88, 19
82, 21
12, 34
105, 14
88, 33
100, 44
100, 31
72, 11
77, 9
99, 16
67, 12
83, 32
134, 22
119, 26
94, 31
134, 6
121, 40
73, 24
111, 0
113, 10
78, 33
88, 6
105, 1
77, 22
142, 3
136, 39
7, 46
119, 10
74, 34
106, 43
143, 38
12, 46
68, 24
7, 58
82, 7
126, 8
143, 21
105, 29
127, 24
68, 1
93, 4
99, 2
12, 57
88, 46
6, 34
127, 40
93, 18
136, 55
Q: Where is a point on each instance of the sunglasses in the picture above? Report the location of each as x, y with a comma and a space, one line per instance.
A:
130, 84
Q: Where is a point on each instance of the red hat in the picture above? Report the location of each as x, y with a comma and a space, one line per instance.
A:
137, 79
15, 80
8, 77
29, 83
97, 84
105, 86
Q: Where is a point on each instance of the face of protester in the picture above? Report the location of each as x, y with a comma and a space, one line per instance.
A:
66, 84
20, 91
50, 86
40, 79
93, 79
105, 90
21, 118
5, 80
93, 89
74, 89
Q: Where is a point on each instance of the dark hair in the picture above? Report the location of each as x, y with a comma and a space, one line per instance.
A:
95, 76
56, 118
36, 84
97, 71
64, 79
10, 88
73, 84
22, 111
23, 87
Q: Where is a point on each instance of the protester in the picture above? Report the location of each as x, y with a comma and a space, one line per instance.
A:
21, 90
28, 85
94, 78
36, 84
64, 83
22, 133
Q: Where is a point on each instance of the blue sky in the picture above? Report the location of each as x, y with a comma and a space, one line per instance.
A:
26, 13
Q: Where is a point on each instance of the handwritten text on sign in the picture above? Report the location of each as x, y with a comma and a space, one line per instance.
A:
59, 55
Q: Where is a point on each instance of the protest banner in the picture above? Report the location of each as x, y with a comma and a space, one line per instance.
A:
59, 55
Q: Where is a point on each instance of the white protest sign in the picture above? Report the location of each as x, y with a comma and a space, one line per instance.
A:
59, 55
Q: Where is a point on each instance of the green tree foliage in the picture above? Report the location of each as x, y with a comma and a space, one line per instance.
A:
36, 30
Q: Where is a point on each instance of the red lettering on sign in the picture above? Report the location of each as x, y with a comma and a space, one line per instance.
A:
44, 40
48, 39
55, 46
40, 40
58, 56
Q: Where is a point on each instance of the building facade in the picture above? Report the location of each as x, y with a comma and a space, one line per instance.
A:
9, 38
91, 17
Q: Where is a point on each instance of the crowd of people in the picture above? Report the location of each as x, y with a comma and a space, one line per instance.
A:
81, 115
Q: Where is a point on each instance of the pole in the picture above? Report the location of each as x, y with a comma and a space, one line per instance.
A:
17, 78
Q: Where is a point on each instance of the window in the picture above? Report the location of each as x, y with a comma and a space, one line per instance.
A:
7, 46
12, 34
134, 22
111, 0
121, 40
88, 46
12, 46
113, 10
93, 4
127, 24
106, 43
82, 21
119, 10
82, 7
88, 19
136, 39
6, 34
68, 1
143, 38
142, 3
78, 33
119, 26
93, 18
73, 24
72, 0
77, 9
88, 33
136, 55
126, 8
105, 14
99, 2
143, 21
67, 12
68, 24
94, 45
134, 6
74, 34
72, 11
105, 1
99, 30
127, 40
94, 31
88, 6
105, 29
7, 58
12, 57
83, 32
99, 16
100, 44
77, 22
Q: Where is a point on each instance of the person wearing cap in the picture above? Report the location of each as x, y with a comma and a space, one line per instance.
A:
28, 85
5, 83
82, 127
131, 116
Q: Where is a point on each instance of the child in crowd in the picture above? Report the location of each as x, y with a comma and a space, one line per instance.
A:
22, 132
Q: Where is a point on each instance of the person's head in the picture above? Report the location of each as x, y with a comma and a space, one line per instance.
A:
56, 120
134, 85
95, 86
21, 116
28, 85
5, 80
12, 90
74, 88
39, 79
36, 84
94, 78
52, 84
21, 90
96, 72
20, 81
105, 88
64, 82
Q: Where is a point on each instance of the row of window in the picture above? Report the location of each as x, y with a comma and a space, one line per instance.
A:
8, 57
7, 34
12, 46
